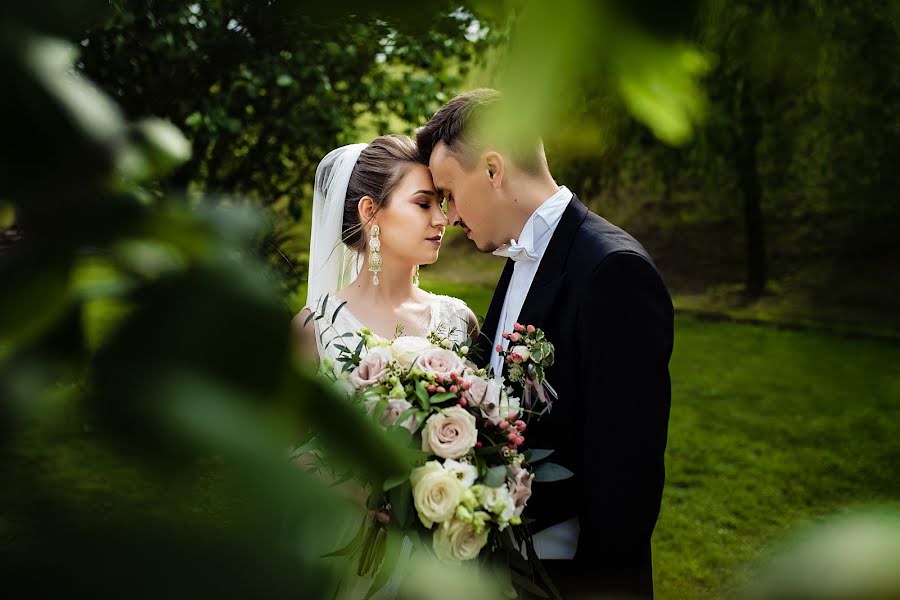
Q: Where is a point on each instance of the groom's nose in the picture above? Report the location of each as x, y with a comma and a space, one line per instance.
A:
452, 215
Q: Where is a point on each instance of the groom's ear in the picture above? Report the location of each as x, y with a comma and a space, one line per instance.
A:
493, 164
367, 209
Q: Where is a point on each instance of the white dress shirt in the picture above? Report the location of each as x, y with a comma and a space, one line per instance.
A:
531, 245
561, 540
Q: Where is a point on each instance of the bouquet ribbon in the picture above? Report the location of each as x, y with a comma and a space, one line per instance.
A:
542, 389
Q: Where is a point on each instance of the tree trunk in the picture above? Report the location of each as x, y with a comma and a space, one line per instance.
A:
749, 132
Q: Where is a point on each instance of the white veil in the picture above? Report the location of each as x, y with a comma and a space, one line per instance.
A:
332, 265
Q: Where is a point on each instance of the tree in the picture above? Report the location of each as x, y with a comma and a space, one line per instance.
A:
265, 90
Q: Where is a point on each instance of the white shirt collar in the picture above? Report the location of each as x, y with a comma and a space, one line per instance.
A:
539, 227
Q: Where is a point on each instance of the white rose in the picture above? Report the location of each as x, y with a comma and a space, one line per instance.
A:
394, 409
436, 493
406, 348
520, 487
371, 367
450, 433
456, 541
522, 351
440, 362
466, 473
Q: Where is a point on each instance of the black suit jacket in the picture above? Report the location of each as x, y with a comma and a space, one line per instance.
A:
601, 301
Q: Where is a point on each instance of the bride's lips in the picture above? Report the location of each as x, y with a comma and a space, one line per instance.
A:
435, 239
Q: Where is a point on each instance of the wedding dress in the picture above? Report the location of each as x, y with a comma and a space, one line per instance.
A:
449, 318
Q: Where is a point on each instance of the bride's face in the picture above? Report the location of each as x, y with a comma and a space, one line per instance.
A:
413, 222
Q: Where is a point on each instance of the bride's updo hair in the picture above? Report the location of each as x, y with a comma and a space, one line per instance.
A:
381, 166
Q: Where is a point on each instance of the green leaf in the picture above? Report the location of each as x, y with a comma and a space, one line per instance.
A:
392, 548
443, 397
422, 395
402, 511
549, 472
495, 476
337, 310
354, 545
537, 454
528, 585
392, 482
487, 450
309, 446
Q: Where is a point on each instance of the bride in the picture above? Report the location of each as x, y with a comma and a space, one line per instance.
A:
376, 217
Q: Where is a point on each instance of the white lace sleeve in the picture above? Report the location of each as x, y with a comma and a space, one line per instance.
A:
452, 317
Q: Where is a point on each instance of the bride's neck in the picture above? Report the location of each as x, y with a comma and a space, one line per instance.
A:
395, 283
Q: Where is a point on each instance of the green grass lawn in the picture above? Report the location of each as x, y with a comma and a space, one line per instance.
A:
769, 428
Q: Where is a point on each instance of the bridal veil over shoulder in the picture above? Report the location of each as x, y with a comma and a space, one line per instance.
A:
332, 265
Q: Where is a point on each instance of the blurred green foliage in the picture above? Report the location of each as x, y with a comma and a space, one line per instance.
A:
753, 138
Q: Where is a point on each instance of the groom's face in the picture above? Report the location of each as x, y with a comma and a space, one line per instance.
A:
470, 198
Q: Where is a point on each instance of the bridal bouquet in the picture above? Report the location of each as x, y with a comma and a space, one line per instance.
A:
465, 497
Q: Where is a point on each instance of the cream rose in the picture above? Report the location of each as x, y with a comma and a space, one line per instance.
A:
457, 541
440, 362
520, 487
436, 493
522, 352
394, 409
406, 348
450, 433
371, 367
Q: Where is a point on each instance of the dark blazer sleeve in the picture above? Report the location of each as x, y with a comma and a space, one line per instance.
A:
625, 331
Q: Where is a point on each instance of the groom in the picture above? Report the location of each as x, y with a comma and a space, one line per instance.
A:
598, 296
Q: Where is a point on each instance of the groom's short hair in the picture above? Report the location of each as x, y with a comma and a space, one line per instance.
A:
463, 126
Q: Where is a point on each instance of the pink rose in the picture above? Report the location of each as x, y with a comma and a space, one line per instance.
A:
520, 487
481, 391
486, 395
395, 408
371, 367
440, 362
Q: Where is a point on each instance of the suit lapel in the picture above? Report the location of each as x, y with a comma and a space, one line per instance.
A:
492, 318
552, 272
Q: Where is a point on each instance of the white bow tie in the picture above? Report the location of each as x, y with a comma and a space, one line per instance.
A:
516, 251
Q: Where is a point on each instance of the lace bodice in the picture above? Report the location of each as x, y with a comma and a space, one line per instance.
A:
449, 317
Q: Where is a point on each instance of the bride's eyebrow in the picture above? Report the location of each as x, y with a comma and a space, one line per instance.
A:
426, 192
